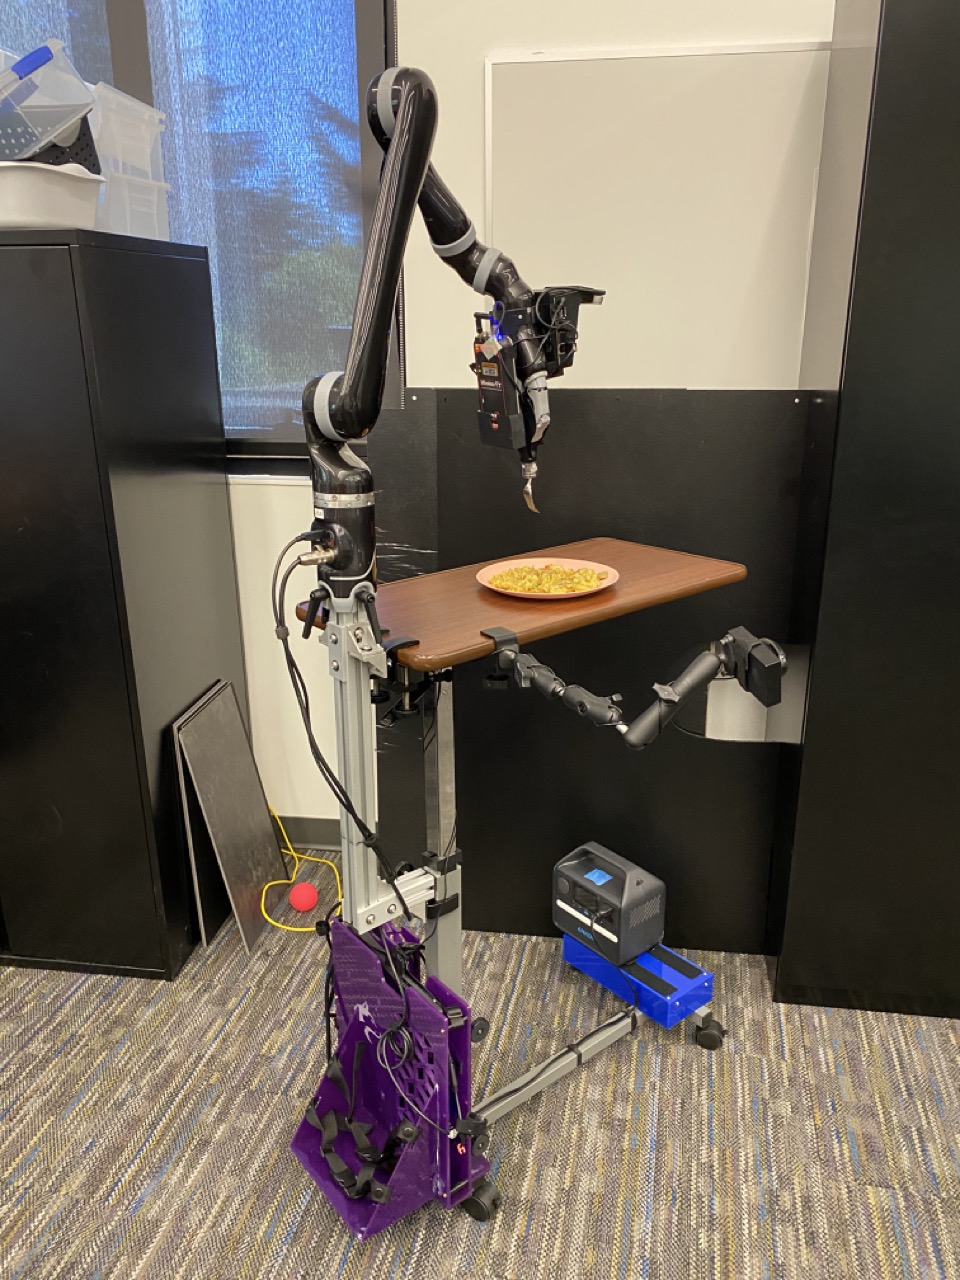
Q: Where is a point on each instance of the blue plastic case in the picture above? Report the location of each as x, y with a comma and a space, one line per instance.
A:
663, 985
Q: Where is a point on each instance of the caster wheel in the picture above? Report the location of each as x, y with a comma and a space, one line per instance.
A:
483, 1202
479, 1029
710, 1035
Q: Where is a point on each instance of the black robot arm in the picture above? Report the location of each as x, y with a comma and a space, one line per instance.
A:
345, 405
529, 336
342, 407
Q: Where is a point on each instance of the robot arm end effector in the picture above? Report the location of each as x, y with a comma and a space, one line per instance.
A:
516, 350
757, 666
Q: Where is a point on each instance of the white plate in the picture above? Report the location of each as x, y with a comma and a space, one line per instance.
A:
540, 562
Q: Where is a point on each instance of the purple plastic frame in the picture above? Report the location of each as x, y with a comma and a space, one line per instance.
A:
434, 1166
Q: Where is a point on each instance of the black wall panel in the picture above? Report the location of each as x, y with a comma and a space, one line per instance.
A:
715, 473
875, 881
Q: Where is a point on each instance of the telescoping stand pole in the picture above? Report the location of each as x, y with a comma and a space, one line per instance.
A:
355, 655
538, 1078
432, 892
444, 943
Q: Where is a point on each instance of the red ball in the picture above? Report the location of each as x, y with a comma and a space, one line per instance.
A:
303, 896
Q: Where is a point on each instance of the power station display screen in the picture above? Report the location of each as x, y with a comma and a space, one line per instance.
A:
598, 876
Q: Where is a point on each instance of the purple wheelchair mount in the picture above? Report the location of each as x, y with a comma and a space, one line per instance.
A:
355, 1140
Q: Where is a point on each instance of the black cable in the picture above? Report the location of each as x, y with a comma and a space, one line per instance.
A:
399, 1039
278, 600
553, 327
386, 1041
455, 1087
310, 536
552, 324
517, 387
354, 1081
328, 998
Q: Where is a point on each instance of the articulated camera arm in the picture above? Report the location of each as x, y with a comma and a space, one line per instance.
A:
757, 665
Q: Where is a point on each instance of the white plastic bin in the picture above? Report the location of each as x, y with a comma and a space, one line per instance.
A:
127, 134
134, 207
42, 100
44, 196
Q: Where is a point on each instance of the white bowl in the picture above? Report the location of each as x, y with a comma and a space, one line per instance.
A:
47, 197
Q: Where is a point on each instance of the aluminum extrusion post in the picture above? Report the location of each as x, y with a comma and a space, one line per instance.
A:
355, 655
356, 754
444, 941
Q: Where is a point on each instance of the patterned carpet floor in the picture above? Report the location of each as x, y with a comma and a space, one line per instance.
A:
145, 1131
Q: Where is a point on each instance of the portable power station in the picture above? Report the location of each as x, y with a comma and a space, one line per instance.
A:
608, 903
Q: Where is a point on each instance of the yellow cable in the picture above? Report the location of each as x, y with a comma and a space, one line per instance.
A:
297, 859
307, 857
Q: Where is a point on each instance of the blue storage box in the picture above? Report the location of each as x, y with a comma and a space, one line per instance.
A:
664, 986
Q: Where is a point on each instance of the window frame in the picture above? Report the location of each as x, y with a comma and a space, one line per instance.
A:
376, 37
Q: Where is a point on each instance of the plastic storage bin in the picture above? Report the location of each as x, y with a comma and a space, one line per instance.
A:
134, 207
45, 196
42, 100
127, 134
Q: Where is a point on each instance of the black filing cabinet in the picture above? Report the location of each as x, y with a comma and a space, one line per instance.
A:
118, 597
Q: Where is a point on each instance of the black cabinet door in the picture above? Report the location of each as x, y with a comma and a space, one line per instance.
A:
75, 878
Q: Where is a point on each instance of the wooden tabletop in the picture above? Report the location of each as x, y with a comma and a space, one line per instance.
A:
447, 611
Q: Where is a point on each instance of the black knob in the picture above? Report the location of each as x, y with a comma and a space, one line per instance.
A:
479, 1029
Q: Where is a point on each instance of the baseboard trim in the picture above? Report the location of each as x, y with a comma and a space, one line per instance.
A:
874, 1001
81, 966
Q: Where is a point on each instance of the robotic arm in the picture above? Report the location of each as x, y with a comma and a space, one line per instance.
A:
526, 338
756, 664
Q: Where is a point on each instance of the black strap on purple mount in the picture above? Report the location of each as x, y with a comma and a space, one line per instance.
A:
331, 1123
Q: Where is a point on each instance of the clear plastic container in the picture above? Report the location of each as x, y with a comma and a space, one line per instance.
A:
7, 59
134, 207
42, 100
127, 134
46, 195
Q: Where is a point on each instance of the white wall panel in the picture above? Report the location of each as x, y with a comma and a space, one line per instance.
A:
685, 186
267, 512
451, 41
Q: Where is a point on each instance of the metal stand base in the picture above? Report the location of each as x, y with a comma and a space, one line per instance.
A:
539, 1078
561, 1064
433, 890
